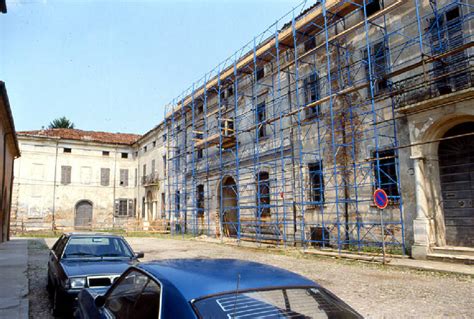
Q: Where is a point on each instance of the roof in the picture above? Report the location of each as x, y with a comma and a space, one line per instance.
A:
86, 136
195, 278
6, 104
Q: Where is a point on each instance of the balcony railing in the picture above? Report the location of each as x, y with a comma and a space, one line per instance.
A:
151, 179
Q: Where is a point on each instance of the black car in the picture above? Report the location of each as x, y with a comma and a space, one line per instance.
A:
85, 260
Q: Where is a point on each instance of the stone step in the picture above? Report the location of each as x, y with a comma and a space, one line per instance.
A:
460, 259
453, 250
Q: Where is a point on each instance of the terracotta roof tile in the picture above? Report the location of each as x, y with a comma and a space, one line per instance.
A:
89, 136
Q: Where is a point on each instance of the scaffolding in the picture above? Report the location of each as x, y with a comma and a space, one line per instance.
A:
285, 141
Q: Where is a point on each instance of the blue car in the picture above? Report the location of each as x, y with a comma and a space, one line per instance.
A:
85, 260
211, 288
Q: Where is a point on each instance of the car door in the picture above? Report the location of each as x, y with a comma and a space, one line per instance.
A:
135, 295
54, 268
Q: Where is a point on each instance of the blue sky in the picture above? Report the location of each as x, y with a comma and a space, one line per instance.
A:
113, 65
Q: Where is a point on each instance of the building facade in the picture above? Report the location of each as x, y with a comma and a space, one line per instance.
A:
72, 179
8, 152
287, 140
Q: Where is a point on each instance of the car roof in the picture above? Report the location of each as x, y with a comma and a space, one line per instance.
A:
195, 278
86, 234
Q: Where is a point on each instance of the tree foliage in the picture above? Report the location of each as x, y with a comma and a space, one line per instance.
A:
61, 122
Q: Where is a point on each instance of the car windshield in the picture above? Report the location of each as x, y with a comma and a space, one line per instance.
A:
96, 246
277, 303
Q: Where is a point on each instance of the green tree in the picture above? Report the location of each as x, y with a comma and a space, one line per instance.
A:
61, 122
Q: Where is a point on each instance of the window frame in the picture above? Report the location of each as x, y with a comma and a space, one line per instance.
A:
383, 157
261, 117
122, 278
314, 190
312, 84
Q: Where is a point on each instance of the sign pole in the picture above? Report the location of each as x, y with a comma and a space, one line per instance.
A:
383, 235
381, 201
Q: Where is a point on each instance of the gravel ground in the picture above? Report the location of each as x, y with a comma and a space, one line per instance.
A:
373, 290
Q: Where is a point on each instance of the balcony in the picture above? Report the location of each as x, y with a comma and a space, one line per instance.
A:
151, 179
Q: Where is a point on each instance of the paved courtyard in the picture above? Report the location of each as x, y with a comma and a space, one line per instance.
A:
373, 290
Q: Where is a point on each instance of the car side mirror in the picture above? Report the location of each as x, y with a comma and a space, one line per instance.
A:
139, 254
99, 301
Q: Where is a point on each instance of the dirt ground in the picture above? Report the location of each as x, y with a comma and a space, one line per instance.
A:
373, 290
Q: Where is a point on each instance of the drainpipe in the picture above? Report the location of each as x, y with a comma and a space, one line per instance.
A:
114, 188
53, 219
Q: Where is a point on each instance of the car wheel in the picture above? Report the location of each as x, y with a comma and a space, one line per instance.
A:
57, 309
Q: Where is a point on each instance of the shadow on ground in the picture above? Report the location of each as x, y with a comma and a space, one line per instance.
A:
40, 307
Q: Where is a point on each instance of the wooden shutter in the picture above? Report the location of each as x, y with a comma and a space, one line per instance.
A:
124, 177
105, 176
65, 175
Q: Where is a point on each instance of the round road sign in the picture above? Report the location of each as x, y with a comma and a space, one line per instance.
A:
380, 198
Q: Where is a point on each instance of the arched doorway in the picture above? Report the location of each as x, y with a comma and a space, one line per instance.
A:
83, 215
227, 203
456, 170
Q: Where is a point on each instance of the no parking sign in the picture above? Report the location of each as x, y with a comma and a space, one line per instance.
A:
380, 198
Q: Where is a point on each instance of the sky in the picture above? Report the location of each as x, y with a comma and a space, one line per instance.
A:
111, 65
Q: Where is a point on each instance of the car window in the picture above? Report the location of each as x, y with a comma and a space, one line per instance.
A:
135, 296
59, 246
277, 303
97, 246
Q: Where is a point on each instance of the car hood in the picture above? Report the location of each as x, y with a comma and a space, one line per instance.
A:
96, 267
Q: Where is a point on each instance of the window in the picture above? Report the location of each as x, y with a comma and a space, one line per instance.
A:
309, 44
177, 160
446, 33
67, 150
152, 166
261, 117
124, 155
105, 153
260, 73
136, 177
104, 176
386, 172
200, 153
136, 294
144, 149
65, 175
164, 138
200, 108
177, 200
163, 205
230, 91
164, 165
263, 194
124, 177
378, 62
316, 180
144, 170
154, 144
372, 6
122, 208
311, 93
200, 200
